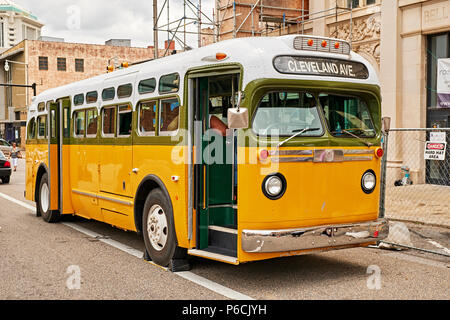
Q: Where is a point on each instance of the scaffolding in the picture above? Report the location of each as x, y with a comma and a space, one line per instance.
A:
226, 21
191, 22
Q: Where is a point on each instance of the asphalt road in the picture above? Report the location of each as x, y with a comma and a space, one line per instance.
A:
56, 261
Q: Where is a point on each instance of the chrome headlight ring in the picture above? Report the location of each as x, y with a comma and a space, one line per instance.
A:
274, 186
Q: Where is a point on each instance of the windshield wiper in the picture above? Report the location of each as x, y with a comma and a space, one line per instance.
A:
355, 136
297, 133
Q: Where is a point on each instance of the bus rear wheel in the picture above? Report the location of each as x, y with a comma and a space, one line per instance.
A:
43, 203
159, 230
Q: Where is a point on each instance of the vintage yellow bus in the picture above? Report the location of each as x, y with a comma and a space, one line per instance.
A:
244, 150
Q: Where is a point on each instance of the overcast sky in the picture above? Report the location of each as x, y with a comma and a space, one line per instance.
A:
95, 21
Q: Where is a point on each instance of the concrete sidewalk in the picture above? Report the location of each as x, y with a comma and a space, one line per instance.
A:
427, 204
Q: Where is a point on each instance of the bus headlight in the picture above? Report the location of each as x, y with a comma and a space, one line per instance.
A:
368, 181
274, 186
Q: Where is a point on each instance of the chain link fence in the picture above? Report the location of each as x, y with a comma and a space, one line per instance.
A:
417, 186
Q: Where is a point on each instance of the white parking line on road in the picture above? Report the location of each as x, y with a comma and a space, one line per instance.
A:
20, 203
410, 258
190, 276
213, 286
434, 243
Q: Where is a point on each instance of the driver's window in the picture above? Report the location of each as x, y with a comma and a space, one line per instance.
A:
285, 113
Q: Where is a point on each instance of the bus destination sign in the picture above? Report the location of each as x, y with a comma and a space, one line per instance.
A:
321, 67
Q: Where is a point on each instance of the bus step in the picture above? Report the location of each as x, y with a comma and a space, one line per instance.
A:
223, 240
211, 254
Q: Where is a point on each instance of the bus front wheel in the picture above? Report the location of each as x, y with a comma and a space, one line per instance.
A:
43, 203
159, 230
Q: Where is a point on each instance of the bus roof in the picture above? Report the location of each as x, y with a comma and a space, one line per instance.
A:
256, 55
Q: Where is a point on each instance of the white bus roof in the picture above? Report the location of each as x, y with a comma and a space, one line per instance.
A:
255, 54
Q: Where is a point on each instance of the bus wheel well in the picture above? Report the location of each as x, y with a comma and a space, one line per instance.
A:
149, 184
40, 173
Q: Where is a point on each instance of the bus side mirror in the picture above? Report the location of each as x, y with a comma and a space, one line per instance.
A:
238, 117
386, 124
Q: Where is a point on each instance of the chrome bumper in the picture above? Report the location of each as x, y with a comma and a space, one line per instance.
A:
259, 241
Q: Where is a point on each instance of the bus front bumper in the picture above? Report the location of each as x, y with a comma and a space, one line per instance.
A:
263, 241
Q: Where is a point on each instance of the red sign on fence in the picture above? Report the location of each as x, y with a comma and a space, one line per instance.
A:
435, 151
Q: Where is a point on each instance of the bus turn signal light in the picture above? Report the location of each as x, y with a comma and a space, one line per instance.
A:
310, 42
263, 155
324, 43
336, 45
379, 152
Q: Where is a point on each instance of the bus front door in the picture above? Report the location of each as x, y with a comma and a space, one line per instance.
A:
215, 201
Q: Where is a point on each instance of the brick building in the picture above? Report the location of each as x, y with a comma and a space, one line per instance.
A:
50, 64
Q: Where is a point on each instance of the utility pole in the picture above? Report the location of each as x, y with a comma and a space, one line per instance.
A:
199, 23
155, 28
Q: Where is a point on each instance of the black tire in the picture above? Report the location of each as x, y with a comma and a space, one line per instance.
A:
43, 208
160, 252
6, 180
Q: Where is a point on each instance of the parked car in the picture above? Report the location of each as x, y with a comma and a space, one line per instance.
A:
5, 168
5, 147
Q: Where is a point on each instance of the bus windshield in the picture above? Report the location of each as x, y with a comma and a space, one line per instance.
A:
285, 113
347, 116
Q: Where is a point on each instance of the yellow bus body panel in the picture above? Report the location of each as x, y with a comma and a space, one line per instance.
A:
317, 194
166, 162
37, 154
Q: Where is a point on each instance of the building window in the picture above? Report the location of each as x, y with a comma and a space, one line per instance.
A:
79, 65
438, 48
61, 64
43, 63
2, 39
352, 3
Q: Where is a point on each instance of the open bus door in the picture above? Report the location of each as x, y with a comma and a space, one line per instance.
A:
215, 200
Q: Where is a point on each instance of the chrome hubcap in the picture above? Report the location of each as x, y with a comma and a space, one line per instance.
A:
45, 198
157, 229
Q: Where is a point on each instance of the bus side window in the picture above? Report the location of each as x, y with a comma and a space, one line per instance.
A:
66, 123
42, 127
169, 116
109, 116
92, 123
147, 118
79, 123
52, 123
32, 129
125, 121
